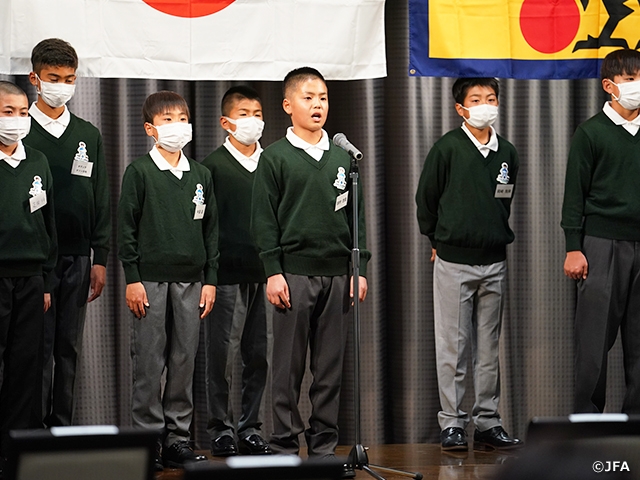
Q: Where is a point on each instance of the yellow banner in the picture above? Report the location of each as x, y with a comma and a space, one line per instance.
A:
531, 29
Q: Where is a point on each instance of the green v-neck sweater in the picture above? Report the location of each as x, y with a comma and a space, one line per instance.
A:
293, 216
602, 185
457, 206
83, 216
28, 244
232, 184
158, 238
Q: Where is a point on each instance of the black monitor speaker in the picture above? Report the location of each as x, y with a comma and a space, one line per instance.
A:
81, 453
268, 467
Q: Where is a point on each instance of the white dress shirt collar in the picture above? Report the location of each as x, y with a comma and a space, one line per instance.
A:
162, 164
250, 162
315, 151
55, 126
17, 156
630, 126
492, 145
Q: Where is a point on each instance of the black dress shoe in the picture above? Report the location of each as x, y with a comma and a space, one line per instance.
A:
453, 438
254, 445
495, 438
224, 446
179, 453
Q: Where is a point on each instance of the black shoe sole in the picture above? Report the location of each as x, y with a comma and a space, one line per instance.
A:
487, 447
455, 448
223, 454
246, 451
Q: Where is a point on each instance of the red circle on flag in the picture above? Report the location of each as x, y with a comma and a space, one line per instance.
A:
189, 8
549, 26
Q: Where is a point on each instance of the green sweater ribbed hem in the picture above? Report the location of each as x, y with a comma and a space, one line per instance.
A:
471, 256
22, 269
173, 273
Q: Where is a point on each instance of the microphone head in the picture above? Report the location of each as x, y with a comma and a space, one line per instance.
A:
340, 140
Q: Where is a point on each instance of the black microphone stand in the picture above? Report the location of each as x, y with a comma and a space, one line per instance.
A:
358, 456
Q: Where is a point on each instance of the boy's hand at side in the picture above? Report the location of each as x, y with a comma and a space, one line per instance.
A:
576, 265
47, 302
98, 281
433, 255
278, 291
137, 299
362, 287
207, 299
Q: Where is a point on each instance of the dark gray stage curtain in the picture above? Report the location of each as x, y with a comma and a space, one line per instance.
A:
394, 121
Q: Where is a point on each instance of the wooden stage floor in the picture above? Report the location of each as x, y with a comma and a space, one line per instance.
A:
427, 459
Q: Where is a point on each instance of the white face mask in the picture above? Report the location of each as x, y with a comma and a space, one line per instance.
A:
248, 129
481, 116
629, 97
173, 136
55, 94
14, 129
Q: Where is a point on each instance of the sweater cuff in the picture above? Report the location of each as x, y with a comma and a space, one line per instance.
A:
272, 266
433, 242
573, 241
363, 266
131, 273
100, 256
211, 277
48, 280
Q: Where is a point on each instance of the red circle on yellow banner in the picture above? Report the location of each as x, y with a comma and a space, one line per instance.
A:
189, 8
549, 26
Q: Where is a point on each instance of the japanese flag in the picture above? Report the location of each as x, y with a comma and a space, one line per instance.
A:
201, 39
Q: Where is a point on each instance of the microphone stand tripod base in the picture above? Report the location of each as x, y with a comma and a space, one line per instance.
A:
358, 459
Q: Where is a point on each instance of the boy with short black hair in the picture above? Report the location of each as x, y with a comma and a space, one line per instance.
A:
600, 216
304, 236
238, 320
27, 256
74, 149
464, 199
167, 240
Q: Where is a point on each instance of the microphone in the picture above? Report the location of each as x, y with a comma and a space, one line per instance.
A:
340, 139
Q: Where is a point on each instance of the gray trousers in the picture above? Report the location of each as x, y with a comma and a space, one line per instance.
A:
238, 322
167, 338
608, 300
468, 304
318, 319
63, 330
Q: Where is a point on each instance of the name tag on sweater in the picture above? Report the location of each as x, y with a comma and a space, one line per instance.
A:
342, 200
504, 191
38, 201
199, 213
82, 169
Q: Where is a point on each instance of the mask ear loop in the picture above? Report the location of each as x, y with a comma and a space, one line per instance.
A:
156, 128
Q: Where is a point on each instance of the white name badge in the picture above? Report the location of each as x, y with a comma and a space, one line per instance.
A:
199, 213
341, 201
37, 202
504, 191
82, 169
